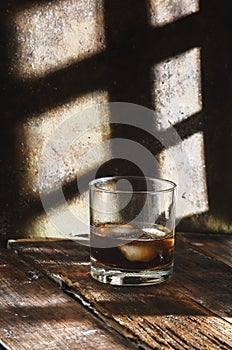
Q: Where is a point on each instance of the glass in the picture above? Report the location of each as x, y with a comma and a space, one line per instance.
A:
132, 226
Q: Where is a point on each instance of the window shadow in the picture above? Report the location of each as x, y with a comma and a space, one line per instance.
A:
123, 69
216, 56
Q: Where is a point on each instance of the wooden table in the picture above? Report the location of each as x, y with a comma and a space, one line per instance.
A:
48, 300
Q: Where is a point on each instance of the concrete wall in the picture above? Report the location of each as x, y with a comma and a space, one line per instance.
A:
60, 57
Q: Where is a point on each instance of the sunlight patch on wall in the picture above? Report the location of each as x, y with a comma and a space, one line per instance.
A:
177, 88
166, 11
36, 132
72, 152
61, 221
56, 34
189, 174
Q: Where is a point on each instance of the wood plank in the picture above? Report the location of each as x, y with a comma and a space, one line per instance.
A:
218, 246
35, 314
160, 317
204, 279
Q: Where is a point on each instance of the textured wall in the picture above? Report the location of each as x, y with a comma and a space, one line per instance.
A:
59, 57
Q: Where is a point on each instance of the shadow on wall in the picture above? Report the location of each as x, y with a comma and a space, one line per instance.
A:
122, 64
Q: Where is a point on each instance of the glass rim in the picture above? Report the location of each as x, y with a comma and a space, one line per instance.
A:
102, 180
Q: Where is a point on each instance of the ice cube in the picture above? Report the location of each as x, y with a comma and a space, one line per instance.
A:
138, 252
155, 232
117, 230
121, 229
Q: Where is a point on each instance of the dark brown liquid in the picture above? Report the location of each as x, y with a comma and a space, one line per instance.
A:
132, 247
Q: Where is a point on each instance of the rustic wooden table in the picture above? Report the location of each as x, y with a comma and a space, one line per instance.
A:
49, 301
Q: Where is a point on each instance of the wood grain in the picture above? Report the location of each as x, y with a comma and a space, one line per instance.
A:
218, 246
35, 314
189, 312
204, 279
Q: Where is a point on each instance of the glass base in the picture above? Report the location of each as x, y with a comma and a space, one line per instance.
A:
116, 277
